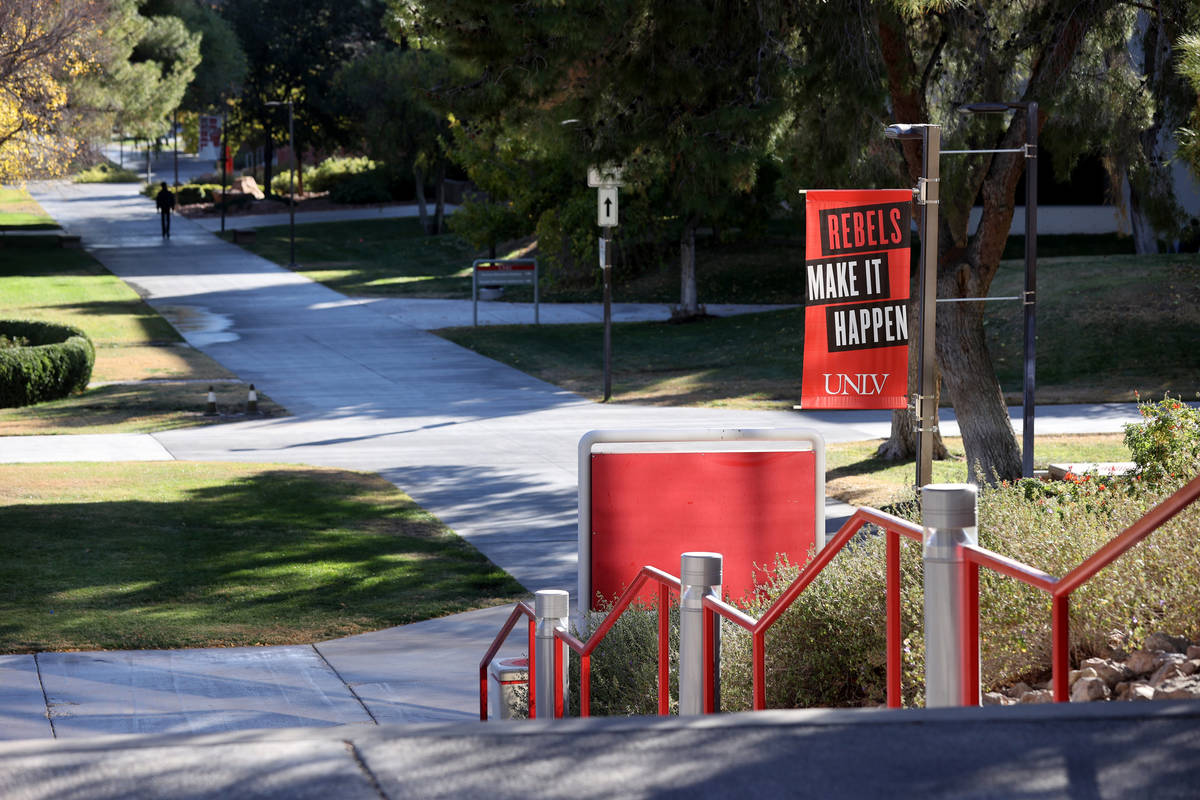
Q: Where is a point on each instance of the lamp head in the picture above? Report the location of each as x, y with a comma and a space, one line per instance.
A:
904, 130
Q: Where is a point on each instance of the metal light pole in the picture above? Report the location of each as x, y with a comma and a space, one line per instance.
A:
224, 161
291, 178
175, 131
1029, 296
927, 196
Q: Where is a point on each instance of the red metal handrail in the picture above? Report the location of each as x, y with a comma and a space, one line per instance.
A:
666, 583
519, 610
1059, 589
894, 527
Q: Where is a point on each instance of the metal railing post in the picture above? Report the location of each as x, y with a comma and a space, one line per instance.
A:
700, 575
949, 517
551, 608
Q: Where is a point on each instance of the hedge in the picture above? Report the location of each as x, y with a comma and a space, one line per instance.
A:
57, 361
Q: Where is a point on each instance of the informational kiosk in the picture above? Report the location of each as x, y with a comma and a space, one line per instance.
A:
503, 272
645, 496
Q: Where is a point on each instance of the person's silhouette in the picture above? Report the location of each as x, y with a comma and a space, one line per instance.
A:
165, 200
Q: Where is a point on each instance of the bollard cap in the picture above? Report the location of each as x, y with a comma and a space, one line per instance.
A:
949, 505
700, 569
552, 603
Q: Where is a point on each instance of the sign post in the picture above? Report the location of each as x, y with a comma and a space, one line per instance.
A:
606, 180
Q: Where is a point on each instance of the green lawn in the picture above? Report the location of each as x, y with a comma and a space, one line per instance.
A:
853, 474
158, 380
19, 211
174, 554
1108, 326
379, 258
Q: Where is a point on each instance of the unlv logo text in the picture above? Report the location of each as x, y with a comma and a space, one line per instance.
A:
860, 384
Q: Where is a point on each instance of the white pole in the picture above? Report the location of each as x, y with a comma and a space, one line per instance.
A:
950, 518
700, 575
551, 608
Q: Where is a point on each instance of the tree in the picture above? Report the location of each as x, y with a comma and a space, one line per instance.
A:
383, 97
44, 46
223, 63
686, 95
294, 49
139, 76
936, 58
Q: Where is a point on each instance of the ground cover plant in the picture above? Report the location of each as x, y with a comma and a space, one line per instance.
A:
828, 649
19, 211
145, 376
175, 554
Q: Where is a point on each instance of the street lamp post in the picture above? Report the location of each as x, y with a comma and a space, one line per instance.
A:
291, 178
928, 197
1029, 296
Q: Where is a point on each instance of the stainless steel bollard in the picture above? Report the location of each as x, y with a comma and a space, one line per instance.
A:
950, 517
700, 574
551, 607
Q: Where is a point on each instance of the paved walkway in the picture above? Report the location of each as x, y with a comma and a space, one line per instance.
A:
489, 450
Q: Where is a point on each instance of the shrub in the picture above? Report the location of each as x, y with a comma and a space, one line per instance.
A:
106, 172
57, 361
193, 193
332, 171
1167, 443
828, 648
625, 664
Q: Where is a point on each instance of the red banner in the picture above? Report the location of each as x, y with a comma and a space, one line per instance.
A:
856, 321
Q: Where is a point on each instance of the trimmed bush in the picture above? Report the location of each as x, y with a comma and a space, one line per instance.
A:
57, 362
332, 171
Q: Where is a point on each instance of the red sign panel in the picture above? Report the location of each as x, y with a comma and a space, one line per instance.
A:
648, 508
856, 320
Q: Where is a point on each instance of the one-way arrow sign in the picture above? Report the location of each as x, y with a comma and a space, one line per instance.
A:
607, 206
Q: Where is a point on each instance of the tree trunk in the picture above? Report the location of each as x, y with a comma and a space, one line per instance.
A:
268, 161
688, 305
439, 193
970, 378
1145, 238
422, 211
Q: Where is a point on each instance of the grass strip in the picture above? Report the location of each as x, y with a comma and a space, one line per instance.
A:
855, 475
1109, 327
19, 211
176, 554
387, 257
146, 377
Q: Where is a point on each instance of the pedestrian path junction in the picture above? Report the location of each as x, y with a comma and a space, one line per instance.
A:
487, 449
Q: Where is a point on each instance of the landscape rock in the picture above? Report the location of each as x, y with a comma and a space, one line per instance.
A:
1038, 696
1171, 667
1143, 662
1089, 688
1136, 690
1179, 688
245, 184
1193, 651
997, 699
1018, 689
1113, 672
1166, 642
1075, 675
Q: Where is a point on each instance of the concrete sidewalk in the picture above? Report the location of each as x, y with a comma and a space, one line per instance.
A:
1116, 751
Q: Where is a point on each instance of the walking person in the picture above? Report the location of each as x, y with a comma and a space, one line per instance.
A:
165, 200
